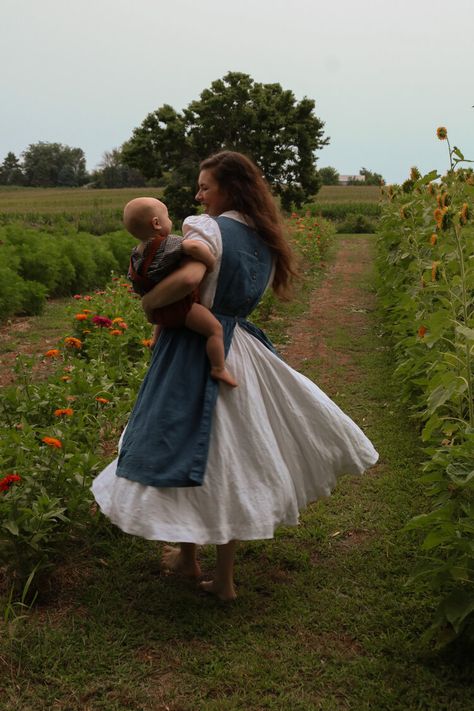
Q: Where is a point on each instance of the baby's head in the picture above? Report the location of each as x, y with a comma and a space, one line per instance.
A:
146, 217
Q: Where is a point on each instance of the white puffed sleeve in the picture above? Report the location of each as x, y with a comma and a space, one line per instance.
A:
205, 229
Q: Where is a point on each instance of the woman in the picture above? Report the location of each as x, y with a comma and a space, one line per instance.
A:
201, 465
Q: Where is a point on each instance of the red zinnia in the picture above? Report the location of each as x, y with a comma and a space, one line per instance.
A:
8, 480
102, 321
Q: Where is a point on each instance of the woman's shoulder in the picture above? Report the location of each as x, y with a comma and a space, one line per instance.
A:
204, 228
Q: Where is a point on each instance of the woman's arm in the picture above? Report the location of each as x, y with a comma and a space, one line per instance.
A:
174, 287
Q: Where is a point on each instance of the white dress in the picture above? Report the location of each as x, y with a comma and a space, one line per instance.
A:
277, 443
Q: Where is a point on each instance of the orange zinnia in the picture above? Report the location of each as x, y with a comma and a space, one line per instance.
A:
422, 331
146, 342
103, 400
52, 442
81, 317
67, 411
73, 342
433, 239
53, 353
115, 332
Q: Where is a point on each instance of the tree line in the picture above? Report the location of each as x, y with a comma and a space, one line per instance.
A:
264, 121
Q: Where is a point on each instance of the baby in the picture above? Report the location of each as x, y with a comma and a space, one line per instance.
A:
157, 255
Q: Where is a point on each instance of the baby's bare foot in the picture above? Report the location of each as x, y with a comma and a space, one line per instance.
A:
223, 592
224, 375
172, 560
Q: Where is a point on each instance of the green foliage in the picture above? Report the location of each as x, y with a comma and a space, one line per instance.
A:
427, 293
83, 407
370, 178
11, 172
263, 121
49, 164
329, 175
114, 173
355, 223
36, 263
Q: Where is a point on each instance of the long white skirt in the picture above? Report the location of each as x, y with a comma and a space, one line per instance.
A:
277, 443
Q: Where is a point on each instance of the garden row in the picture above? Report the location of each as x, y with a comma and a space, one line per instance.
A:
38, 263
426, 270
57, 431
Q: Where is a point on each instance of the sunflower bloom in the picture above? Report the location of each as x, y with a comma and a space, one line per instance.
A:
464, 214
52, 442
64, 412
442, 133
53, 353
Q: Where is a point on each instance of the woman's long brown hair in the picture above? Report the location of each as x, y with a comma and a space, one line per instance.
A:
250, 194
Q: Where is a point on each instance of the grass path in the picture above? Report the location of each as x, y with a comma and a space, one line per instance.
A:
323, 621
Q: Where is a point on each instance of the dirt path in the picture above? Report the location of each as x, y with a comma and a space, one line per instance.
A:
341, 301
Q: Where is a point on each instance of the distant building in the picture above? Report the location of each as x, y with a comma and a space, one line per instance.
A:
346, 179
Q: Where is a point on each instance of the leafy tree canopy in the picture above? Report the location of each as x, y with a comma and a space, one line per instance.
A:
263, 121
52, 164
10, 171
112, 172
329, 175
371, 178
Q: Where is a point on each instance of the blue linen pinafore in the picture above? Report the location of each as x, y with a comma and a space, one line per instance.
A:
166, 442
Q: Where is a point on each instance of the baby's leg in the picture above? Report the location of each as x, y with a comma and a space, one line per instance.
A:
202, 321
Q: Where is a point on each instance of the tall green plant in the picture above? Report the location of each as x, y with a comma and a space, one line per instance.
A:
427, 292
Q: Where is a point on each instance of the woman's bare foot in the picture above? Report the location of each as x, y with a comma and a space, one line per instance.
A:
173, 560
223, 592
223, 375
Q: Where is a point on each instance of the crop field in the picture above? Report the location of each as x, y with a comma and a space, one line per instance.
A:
73, 201
43, 201
346, 193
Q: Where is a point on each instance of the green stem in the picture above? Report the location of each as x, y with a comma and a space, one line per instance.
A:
464, 304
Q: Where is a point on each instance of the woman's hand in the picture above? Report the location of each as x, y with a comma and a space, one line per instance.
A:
175, 287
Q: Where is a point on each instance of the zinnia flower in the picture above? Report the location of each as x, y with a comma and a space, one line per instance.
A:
103, 400
102, 321
442, 133
73, 342
52, 353
115, 332
87, 298
434, 269
146, 342
52, 442
77, 296
86, 311
67, 411
66, 378
81, 317
422, 331
433, 239
8, 480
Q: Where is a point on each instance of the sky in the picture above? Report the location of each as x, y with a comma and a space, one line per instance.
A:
383, 75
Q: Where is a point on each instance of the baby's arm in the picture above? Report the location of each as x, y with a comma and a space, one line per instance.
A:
195, 249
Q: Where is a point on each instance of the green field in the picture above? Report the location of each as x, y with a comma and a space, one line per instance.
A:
44, 201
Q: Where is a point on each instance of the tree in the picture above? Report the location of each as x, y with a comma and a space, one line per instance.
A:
10, 171
52, 164
371, 178
112, 172
263, 121
329, 175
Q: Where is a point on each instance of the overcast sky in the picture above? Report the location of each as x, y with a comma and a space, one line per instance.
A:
384, 75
